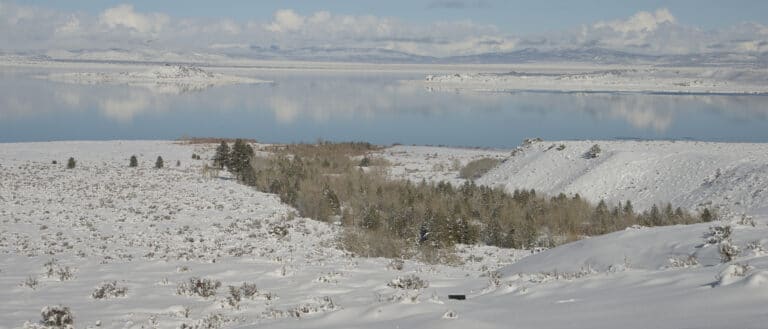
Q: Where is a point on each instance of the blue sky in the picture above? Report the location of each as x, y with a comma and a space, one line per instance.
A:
512, 16
437, 28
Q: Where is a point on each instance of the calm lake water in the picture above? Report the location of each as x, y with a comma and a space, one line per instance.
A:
373, 107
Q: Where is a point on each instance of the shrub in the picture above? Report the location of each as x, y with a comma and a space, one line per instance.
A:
195, 286
57, 316
365, 162
718, 234
133, 162
728, 251
593, 152
560, 147
71, 163
684, 261
31, 282
178, 163
159, 162
477, 168
109, 290
408, 282
396, 264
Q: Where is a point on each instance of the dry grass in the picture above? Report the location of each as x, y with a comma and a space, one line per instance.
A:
210, 140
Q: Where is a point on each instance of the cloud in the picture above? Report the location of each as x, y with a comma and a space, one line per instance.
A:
31, 28
125, 16
458, 4
286, 20
642, 22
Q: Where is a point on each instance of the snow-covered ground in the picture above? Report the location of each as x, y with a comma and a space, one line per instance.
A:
729, 177
433, 164
656, 79
152, 230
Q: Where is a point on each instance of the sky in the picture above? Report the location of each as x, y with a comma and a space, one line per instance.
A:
437, 28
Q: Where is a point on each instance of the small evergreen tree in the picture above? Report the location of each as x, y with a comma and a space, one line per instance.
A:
222, 156
240, 158
159, 162
71, 163
178, 163
134, 162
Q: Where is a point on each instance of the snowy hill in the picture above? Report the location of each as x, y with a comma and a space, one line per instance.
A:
726, 176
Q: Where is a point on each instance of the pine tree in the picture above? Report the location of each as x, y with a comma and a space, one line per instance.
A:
240, 158
222, 156
655, 216
134, 162
159, 162
71, 163
628, 210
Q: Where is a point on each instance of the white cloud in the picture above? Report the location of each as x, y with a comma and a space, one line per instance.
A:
24, 28
286, 20
125, 16
641, 22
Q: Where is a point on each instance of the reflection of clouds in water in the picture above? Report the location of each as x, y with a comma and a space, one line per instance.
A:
285, 110
357, 98
640, 110
124, 109
341, 99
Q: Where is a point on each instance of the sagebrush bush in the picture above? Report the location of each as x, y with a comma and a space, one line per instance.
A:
195, 286
477, 168
593, 152
57, 316
109, 290
408, 282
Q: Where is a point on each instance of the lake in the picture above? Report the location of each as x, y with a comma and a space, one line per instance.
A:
357, 106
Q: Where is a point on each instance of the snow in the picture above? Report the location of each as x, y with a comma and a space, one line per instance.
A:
150, 230
650, 79
431, 163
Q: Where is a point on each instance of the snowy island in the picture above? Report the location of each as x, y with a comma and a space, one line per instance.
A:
180, 77
653, 79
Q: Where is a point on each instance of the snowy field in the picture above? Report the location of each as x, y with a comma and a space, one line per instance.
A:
648, 79
66, 232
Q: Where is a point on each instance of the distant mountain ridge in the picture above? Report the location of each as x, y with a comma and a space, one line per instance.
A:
594, 55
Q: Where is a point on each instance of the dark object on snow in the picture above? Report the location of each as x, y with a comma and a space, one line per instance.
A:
457, 297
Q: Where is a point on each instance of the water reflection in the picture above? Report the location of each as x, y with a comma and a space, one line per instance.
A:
376, 108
